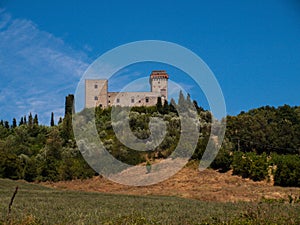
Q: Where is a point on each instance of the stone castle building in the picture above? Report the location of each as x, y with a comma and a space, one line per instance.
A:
97, 94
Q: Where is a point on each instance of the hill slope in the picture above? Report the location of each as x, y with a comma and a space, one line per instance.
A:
208, 185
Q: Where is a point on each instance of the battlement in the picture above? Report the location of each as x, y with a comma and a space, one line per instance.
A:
159, 74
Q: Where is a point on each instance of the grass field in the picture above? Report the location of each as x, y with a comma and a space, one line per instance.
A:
35, 204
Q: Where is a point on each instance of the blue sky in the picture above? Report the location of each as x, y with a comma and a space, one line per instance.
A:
253, 47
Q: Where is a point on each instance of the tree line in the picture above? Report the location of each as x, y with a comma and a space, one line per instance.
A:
260, 144
35, 152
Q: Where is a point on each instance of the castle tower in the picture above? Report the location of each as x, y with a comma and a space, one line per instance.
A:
159, 83
96, 93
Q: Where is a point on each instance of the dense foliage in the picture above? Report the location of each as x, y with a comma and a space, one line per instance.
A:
259, 144
36, 152
266, 142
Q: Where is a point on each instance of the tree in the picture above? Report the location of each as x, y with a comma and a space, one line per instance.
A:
47, 168
14, 123
9, 165
223, 160
21, 121
188, 101
159, 105
52, 120
250, 165
69, 105
30, 120
6, 124
287, 172
172, 106
67, 130
35, 120
181, 100
166, 107
196, 104
54, 145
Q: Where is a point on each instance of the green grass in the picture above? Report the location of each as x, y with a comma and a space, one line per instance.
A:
35, 204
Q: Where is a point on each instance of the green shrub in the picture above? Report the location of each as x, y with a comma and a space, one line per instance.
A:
250, 165
287, 172
223, 161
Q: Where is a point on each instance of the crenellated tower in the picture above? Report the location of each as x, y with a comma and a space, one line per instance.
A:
159, 83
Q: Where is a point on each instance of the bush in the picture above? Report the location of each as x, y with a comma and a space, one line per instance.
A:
223, 161
287, 172
250, 165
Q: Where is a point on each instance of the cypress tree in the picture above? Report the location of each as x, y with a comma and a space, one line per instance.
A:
30, 120
159, 105
196, 104
172, 105
25, 120
35, 120
188, 100
166, 107
6, 124
69, 105
52, 120
198, 108
67, 132
181, 100
60, 120
21, 121
14, 123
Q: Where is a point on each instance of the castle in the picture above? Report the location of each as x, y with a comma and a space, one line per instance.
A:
96, 93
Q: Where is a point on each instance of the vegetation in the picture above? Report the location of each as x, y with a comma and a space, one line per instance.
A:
35, 204
258, 143
36, 152
287, 170
263, 138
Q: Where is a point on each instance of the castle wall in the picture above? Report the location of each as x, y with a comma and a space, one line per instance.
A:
96, 93
132, 98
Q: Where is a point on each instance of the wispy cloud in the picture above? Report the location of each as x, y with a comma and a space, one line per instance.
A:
37, 69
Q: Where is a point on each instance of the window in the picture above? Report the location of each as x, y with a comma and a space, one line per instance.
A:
147, 99
96, 86
118, 100
96, 98
108, 101
132, 100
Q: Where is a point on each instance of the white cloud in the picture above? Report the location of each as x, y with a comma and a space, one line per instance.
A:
37, 69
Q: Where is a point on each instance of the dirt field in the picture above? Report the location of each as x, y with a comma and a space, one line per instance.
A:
208, 185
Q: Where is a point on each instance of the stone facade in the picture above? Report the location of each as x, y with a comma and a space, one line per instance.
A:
96, 93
